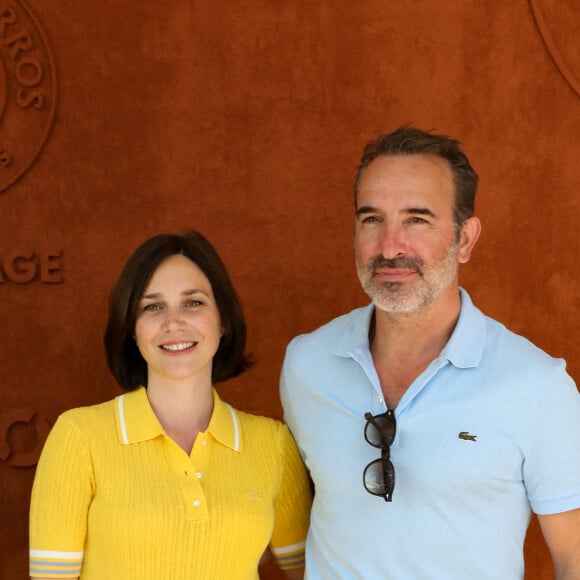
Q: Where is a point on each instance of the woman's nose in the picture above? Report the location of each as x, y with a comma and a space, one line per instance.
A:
173, 318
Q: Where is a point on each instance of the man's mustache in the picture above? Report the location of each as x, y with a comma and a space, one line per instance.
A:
405, 262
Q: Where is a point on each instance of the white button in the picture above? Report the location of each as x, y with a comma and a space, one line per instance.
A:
380, 400
199, 475
196, 503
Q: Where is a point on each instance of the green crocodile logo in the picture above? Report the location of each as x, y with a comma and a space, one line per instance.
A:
466, 436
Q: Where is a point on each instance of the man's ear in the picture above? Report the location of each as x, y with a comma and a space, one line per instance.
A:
468, 237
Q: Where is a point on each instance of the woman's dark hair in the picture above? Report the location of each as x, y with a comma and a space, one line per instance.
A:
123, 356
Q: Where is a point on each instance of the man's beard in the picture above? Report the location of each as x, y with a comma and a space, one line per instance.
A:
420, 291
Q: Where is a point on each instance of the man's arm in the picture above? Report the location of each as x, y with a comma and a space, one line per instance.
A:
562, 534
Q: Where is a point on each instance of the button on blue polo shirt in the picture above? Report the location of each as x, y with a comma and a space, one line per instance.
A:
487, 433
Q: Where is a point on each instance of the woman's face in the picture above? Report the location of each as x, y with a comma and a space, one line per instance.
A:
178, 327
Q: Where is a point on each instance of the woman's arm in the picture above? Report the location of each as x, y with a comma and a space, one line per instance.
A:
61, 494
292, 508
295, 573
267, 557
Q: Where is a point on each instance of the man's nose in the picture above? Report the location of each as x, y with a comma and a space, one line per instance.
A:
393, 241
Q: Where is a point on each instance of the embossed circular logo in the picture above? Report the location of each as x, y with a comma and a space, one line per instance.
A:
27, 90
558, 22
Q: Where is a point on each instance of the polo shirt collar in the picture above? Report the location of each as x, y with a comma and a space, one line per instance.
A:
137, 422
224, 425
464, 349
355, 340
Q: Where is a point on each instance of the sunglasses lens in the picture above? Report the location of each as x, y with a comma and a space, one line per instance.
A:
379, 478
373, 478
380, 430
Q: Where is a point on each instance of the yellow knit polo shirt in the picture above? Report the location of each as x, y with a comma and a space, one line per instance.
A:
114, 498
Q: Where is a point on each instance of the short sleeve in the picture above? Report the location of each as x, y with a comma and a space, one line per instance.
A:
285, 395
551, 465
292, 506
61, 495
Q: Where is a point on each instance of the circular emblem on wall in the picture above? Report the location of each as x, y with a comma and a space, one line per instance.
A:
27, 90
559, 22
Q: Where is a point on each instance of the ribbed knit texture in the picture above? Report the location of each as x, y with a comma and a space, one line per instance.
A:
131, 507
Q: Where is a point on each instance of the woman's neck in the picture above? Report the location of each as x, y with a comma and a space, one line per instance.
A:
183, 409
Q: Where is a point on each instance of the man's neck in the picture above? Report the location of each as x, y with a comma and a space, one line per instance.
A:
404, 344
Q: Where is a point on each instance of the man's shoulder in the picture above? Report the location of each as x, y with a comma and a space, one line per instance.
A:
325, 336
517, 350
499, 342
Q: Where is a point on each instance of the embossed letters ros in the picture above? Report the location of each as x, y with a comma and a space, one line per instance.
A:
27, 90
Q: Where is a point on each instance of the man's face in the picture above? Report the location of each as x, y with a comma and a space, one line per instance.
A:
407, 252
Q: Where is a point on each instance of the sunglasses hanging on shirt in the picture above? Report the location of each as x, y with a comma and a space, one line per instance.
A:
379, 475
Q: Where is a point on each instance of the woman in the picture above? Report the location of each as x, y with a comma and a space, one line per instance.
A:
167, 481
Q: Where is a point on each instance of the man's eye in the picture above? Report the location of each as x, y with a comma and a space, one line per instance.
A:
417, 220
370, 219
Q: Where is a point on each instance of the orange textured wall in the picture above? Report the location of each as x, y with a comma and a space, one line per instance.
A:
246, 120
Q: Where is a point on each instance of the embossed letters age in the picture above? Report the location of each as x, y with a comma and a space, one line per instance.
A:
24, 267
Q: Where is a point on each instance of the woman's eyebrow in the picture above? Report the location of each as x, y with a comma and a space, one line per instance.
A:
189, 292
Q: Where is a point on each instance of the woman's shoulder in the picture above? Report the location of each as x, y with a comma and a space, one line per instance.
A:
263, 427
88, 415
253, 420
80, 427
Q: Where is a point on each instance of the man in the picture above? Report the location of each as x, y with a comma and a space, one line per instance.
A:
430, 431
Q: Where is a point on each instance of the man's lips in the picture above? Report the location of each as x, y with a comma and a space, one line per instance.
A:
394, 274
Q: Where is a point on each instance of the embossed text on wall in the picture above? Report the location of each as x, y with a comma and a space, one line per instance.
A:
27, 90
24, 266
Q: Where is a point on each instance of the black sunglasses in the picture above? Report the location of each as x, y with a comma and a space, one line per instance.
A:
379, 475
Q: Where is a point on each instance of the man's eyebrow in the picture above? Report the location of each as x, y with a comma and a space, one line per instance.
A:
419, 211
366, 209
409, 210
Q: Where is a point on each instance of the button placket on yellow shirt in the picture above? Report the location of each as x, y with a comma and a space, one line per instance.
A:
189, 475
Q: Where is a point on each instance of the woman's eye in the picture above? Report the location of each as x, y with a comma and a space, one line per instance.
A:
152, 307
193, 303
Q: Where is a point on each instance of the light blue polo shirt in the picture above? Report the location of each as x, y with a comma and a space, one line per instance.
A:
461, 505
